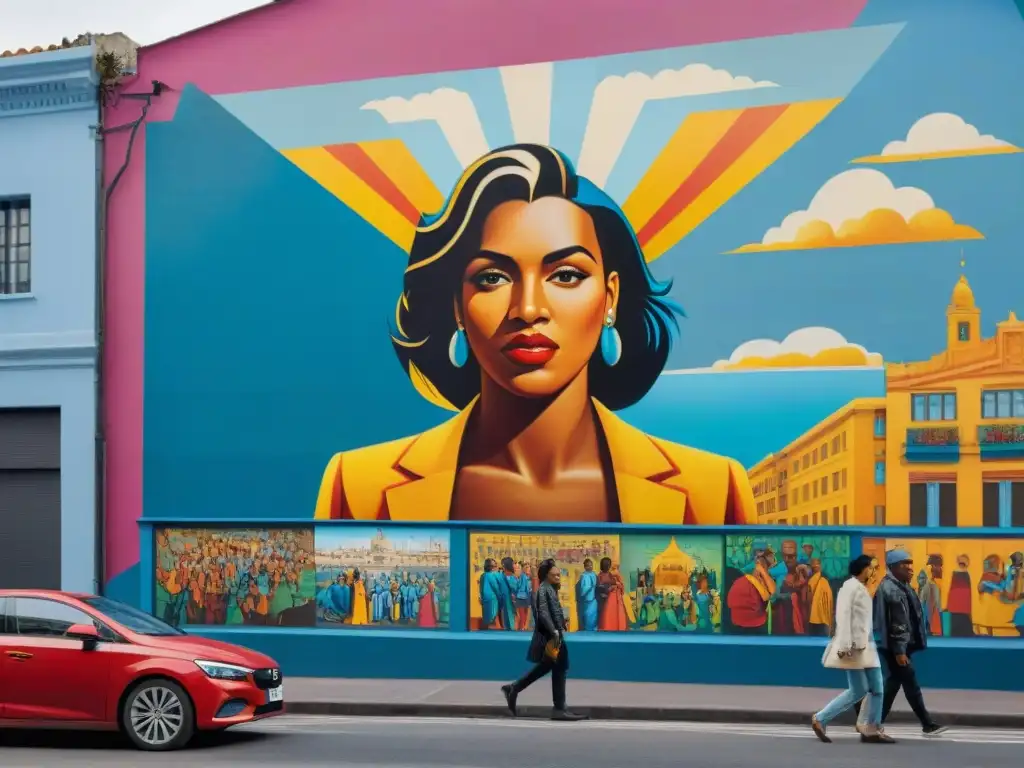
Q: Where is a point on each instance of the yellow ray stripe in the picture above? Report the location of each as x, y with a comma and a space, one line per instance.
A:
795, 123
333, 176
399, 164
977, 152
696, 136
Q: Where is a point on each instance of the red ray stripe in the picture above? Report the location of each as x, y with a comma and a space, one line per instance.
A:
362, 165
737, 140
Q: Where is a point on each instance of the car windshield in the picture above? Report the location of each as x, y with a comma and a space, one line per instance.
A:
131, 618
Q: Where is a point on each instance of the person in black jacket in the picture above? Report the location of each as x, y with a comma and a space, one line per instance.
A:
902, 630
548, 650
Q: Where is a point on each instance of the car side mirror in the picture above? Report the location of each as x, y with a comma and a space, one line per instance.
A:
87, 633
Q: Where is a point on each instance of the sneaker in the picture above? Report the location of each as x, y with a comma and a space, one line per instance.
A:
566, 716
510, 698
819, 731
933, 730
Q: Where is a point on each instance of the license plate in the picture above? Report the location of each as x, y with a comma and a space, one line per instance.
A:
276, 694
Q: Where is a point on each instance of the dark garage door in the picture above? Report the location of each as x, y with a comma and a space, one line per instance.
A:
30, 499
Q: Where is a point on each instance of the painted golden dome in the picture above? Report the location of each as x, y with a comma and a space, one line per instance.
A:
963, 296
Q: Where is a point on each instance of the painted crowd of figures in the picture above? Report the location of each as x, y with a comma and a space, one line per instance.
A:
997, 602
696, 607
259, 578
356, 598
787, 596
507, 589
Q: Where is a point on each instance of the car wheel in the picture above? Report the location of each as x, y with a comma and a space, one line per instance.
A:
158, 716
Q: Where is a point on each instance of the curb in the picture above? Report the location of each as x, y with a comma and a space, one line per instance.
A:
662, 714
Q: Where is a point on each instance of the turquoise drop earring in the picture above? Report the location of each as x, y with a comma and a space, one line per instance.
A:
611, 342
458, 348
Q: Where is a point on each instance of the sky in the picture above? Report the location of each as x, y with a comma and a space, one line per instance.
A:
42, 22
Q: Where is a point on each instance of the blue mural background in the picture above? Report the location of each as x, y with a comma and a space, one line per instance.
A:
268, 300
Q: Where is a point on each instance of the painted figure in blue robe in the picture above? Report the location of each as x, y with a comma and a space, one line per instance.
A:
705, 606
587, 611
412, 599
806, 554
381, 599
492, 586
511, 586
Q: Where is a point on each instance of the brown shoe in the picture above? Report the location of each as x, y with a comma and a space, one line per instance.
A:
819, 731
879, 737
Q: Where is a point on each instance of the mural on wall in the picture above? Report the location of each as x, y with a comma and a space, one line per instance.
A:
368, 577
256, 577
967, 587
674, 582
732, 282
503, 580
783, 585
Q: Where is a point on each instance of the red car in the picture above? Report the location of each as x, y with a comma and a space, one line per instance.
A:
81, 661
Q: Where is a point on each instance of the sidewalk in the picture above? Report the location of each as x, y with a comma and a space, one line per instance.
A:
627, 701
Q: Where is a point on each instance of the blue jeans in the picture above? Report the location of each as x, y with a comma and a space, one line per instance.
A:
861, 683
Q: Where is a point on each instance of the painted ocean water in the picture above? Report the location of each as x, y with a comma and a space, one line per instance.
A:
748, 414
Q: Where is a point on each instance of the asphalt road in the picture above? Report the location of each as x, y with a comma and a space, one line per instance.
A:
456, 743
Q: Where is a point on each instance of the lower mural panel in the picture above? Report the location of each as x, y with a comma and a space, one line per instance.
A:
235, 576
967, 587
653, 583
368, 578
783, 585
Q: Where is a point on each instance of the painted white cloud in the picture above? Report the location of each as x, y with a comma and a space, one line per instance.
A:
452, 110
618, 101
809, 342
851, 195
943, 132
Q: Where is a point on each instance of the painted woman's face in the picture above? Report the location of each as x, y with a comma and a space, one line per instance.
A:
535, 297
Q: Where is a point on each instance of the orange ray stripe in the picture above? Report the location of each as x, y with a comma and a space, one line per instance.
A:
744, 132
696, 136
360, 163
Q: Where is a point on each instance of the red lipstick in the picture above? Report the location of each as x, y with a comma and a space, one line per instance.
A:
530, 349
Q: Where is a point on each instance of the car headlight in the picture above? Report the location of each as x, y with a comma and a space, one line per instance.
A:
221, 671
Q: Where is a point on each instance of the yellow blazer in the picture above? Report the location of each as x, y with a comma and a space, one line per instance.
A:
658, 482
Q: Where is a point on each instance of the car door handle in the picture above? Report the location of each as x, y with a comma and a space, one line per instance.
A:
19, 655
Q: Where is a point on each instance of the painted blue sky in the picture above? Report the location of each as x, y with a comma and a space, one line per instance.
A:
408, 540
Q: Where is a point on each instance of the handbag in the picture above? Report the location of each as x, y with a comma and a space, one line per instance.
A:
552, 648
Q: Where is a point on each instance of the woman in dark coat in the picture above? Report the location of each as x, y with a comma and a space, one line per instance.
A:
548, 650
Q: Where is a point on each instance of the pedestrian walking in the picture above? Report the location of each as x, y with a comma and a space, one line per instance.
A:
902, 631
852, 648
548, 649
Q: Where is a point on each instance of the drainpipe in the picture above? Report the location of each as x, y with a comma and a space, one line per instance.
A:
103, 195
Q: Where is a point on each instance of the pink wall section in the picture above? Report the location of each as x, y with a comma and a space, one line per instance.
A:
306, 42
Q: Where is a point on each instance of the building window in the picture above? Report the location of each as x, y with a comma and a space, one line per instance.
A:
919, 505
947, 505
807, 461
963, 331
824, 451
835, 481
796, 467
844, 441
814, 486
879, 426
814, 518
835, 515
1002, 404
879, 515
835, 445
844, 514
803, 520
990, 504
796, 500
807, 492
824, 486
879, 473
937, 407
844, 479
15, 247
784, 502
814, 456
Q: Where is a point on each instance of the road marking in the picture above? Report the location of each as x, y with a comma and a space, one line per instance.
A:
322, 724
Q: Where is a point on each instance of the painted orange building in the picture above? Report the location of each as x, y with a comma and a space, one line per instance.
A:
945, 447
827, 475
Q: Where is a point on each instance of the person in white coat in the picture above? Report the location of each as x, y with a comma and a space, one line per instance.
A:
852, 648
